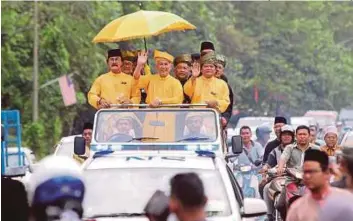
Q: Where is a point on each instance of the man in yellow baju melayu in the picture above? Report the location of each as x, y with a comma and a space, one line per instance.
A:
114, 87
161, 88
207, 88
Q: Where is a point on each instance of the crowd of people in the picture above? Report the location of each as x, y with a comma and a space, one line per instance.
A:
323, 167
198, 79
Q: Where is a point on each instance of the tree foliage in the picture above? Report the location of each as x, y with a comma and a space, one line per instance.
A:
299, 54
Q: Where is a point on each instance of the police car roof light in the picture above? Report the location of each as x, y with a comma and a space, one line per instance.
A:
205, 153
102, 153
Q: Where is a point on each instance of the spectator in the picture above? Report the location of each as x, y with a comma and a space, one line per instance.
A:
188, 198
315, 175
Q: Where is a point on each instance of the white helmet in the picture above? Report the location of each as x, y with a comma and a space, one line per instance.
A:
287, 128
55, 178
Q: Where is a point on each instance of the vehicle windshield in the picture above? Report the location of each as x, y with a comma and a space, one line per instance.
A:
255, 121
156, 126
127, 190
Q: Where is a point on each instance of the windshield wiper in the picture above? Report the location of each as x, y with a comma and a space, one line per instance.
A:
143, 138
117, 215
193, 139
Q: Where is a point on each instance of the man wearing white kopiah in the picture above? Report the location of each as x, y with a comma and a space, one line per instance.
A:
194, 126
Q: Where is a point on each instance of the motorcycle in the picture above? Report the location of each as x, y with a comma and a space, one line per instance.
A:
296, 188
276, 186
293, 190
248, 178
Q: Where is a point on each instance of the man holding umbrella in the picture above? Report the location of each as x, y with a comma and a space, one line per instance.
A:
114, 87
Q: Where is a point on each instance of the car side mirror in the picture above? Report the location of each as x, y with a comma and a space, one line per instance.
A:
253, 207
237, 144
79, 146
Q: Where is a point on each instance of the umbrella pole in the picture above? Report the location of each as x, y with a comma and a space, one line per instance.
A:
144, 40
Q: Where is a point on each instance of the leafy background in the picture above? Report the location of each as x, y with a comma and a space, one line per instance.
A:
299, 54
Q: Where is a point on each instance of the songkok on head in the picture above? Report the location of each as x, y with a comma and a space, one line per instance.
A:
207, 45
163, 55
209, 58
221, 59
279, 119
129, 55
184, 58
114, 53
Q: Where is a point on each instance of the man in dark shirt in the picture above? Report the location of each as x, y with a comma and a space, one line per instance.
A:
220, 65
279, 123
182, 71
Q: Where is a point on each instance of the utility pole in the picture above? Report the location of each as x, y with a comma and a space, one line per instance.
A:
35, 65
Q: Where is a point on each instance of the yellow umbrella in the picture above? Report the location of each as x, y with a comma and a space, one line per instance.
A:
141, 24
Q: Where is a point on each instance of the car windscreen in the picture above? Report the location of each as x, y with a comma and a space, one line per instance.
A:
117, 191
156, 126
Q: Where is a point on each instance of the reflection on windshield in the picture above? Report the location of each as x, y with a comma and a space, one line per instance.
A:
128, 190
156, 126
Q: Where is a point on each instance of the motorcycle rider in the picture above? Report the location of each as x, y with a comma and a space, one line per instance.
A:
331, 139
263, 134
287, 137
292, 157
278, 124
56, 190
252, 150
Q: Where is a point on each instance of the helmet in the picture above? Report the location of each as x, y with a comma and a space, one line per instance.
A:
262, 129
288, 128
56, 178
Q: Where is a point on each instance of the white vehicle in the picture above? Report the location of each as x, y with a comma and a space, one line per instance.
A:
323, 117
297, 121
29, 161
119, 184
255, 121
66, 146
179, 129
29, 157
347, 140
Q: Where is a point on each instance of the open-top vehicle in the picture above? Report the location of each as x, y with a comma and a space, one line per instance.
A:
166, 128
